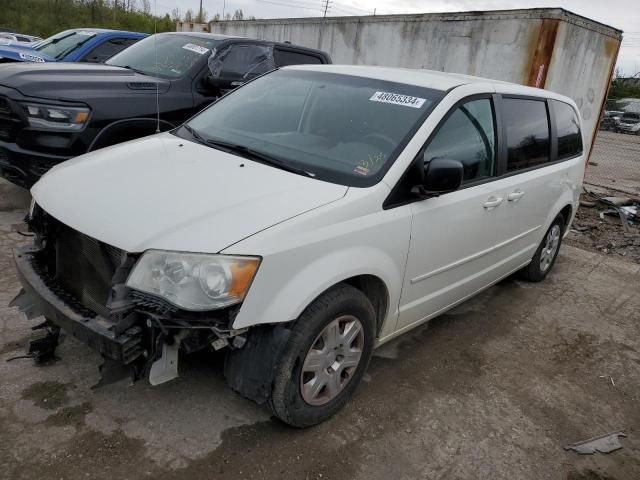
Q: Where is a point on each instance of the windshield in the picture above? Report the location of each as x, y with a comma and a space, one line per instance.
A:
631, 116
339, 128
64, 43
177, 55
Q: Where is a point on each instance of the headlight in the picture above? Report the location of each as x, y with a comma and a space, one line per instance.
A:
194, 281
71, 119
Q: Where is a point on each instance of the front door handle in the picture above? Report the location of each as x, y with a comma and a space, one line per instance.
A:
515, 195
493, 202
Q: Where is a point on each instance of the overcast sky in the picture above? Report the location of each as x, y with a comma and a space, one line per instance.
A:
622, 14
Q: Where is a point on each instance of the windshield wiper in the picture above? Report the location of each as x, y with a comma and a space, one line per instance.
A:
195, 134
249, 153
128, 67
258, 156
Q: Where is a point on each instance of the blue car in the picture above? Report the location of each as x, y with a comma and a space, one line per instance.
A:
79, 45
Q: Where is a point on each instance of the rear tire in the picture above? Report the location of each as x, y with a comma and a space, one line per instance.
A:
545, 257
325, 357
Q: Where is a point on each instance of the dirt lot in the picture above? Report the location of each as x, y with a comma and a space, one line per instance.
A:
615, 162
494, 389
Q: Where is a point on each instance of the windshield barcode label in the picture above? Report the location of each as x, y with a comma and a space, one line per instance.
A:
195, 48
397, 99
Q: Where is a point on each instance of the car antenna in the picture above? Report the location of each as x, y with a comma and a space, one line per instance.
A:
155, 49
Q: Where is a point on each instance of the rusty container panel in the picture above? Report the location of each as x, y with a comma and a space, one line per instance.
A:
545, 44
581, 68
548, 48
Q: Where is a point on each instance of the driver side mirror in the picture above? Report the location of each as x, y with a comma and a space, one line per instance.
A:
442, 175
221, 83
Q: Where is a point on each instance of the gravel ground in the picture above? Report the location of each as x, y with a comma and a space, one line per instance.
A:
494, 389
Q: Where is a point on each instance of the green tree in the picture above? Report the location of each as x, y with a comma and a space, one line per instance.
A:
47, 17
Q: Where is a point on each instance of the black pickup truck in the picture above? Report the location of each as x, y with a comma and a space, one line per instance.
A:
52, 112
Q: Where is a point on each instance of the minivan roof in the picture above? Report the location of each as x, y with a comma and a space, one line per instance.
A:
421, 77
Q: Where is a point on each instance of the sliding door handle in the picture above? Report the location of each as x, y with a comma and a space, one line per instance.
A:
492, 202
515, 195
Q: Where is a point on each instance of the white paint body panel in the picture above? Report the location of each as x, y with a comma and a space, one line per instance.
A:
166, 193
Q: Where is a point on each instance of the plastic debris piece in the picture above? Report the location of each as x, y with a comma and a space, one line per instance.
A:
607, 443
617, 201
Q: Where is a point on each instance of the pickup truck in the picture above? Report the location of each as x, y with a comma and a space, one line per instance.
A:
50, 113
80, 45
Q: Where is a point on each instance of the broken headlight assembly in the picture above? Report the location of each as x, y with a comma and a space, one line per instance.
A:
55, 117
194, 281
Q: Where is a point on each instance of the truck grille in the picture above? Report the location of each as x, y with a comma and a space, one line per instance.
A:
10, 123
4, 107
84, 267
8, 130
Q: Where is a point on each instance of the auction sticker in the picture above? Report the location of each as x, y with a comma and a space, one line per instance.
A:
195, 48
31, 58
397, 99
361, 170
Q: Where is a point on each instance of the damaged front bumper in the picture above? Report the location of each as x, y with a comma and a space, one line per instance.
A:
39, 298
142, 338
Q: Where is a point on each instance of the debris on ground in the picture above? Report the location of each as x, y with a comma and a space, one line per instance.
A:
618, 201
606, 443
607, 223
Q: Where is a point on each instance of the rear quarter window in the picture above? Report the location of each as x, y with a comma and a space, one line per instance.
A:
527, 133
568, 128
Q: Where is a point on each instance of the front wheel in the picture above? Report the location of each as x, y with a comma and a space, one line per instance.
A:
325, 357
545, 257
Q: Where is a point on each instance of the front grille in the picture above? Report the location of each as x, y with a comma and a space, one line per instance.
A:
5, 109
8, 130
10, 123
84, 267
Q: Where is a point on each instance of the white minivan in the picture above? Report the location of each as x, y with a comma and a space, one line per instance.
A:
298, 223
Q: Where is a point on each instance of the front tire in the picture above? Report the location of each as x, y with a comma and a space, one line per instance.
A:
545, 257
325, 357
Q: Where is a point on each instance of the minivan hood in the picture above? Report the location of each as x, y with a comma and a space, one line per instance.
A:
164, 192
76, 81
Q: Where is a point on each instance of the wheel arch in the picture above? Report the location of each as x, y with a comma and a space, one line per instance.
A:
567, 215
366, 269
566, 205
374, 288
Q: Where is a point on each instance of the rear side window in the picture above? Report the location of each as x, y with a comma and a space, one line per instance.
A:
568, 127
527, 133
108, 49
468, 135
243, 62
287, 57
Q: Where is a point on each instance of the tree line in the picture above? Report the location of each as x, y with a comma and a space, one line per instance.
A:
47, 17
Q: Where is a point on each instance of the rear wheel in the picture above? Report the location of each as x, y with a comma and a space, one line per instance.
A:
325, 357
545, 257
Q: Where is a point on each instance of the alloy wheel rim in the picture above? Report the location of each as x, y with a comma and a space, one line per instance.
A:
550, 248
332, 360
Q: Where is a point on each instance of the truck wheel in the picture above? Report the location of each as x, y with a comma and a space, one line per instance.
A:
325, 357
545, 257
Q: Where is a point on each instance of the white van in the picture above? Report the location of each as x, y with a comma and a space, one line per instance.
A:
301, 221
